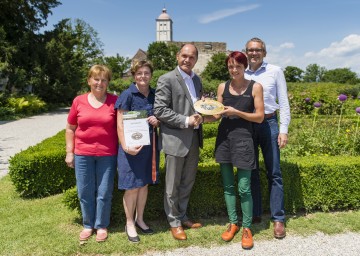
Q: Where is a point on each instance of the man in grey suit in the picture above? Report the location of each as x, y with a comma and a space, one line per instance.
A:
180, 136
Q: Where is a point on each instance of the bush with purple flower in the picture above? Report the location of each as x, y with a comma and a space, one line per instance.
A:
317, 105
342, 97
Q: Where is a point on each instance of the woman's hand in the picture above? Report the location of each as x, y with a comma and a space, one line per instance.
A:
69, 159
134, 150
153, 121
229, 111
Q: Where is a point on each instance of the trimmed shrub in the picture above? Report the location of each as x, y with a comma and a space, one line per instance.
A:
210, 130
206, 199
40, 170
310, 183
329, 183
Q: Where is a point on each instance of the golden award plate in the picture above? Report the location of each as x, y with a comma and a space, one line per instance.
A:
208, 107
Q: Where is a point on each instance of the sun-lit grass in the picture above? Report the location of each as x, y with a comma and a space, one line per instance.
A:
46, 227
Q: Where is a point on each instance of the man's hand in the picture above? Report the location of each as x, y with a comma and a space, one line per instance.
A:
282, 140
195, 120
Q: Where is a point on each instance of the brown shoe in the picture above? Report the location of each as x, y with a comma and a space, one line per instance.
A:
247, 239
279, 230
191, 224
85, 234
229, 234
101, 235
178, 233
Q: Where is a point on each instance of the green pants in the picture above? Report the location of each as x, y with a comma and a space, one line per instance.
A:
243, 180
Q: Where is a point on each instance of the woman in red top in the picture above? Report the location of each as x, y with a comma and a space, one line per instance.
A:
91, 148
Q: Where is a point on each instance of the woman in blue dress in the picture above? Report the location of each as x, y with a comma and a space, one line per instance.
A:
135, 163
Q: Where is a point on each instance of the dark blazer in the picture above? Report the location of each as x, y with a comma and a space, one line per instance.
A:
172, 105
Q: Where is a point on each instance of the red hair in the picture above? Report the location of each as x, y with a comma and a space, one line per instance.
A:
239, 57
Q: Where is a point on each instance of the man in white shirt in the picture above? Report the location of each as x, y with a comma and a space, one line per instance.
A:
267, 135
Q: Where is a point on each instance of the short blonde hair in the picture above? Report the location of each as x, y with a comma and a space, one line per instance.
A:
96, 70
136, 65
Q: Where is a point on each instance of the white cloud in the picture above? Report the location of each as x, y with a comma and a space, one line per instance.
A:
279, 49
342, 54
287, 45
221, 14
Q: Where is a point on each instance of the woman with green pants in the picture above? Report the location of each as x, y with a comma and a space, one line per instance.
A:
244, 104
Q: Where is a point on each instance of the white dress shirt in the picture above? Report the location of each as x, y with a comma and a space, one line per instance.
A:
272, 79
191, 88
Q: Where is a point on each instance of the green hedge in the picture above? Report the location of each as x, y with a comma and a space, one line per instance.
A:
328, 183
41, 170
310, 183
206, 200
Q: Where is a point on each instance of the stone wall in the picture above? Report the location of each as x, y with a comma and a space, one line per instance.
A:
206, 51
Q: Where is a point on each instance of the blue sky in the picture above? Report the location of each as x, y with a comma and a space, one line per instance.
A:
297, 33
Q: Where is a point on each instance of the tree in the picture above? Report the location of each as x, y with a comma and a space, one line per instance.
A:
162, 55
20, 22
118, 65
341, 75
20, 16
216, 68
70, 49
173, 49
293, 74
314, 73
6, 52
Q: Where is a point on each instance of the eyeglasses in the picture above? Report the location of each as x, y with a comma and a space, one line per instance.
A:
140, 74
255, 50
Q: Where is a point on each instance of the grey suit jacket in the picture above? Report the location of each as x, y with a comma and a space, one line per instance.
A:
172, 105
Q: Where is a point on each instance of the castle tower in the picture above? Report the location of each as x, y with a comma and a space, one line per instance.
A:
164, 27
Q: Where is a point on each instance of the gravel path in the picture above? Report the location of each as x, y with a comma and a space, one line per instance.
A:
16, 136
19, 135
347, 244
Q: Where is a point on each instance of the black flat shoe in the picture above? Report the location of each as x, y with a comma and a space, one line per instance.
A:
148, 231
133, 239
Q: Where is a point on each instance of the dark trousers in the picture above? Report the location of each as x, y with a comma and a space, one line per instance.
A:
266, 136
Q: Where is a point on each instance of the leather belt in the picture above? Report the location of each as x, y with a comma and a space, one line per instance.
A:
270, 115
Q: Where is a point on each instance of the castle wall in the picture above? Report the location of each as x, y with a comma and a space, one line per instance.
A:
206, 51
